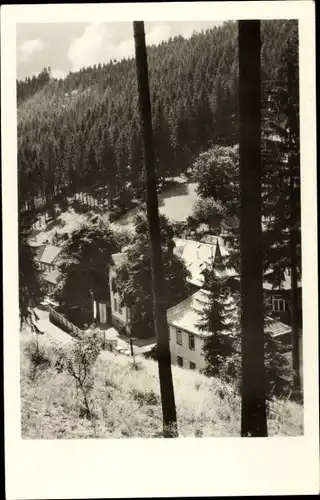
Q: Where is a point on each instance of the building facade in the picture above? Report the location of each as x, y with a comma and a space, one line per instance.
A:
46, 257
187, 339
186, 349
120, 316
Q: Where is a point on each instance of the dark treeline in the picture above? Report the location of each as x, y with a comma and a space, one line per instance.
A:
82, 134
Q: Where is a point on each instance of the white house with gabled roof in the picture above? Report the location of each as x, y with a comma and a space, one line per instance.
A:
187, 338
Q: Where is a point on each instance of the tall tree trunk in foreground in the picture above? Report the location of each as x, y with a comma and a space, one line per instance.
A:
159, 309
253, 386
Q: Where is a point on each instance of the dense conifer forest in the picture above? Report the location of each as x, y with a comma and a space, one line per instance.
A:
81, 134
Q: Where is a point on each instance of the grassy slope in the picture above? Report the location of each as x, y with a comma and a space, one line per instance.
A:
205, 407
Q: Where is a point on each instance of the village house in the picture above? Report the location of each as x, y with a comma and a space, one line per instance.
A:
196, 255
46, 257
187, 339
199, 255
120, 316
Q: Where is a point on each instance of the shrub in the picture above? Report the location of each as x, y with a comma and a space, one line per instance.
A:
38, 358
147, 397
78, 359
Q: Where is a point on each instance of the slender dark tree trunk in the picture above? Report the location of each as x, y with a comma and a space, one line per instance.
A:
159, 303
253, 386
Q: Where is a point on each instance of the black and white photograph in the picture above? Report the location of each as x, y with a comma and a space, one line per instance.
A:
160, 239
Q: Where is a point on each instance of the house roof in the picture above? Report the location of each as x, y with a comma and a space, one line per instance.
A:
49, 254
111, 334
118, 258
52, 277
212, 239
276, 328
198, 255
39, 251
187, 314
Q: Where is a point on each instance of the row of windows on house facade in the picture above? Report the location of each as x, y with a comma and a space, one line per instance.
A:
181, 362
191, 342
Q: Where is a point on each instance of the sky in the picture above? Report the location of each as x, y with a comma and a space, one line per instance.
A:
67, 47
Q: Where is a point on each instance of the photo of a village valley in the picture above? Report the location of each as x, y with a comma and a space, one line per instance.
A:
160, 281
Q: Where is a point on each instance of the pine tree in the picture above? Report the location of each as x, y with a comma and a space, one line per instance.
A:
219, 319
282, 203
30, 289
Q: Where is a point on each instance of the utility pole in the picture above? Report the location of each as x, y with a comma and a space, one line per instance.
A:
159, 304
253, 386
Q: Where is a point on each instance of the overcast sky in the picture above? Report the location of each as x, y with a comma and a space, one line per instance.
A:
70, 46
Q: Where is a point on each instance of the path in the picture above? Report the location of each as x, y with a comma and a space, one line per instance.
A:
53, 332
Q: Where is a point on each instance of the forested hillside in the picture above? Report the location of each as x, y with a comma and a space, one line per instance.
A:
82, 133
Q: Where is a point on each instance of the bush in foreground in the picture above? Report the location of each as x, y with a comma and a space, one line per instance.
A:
126, 403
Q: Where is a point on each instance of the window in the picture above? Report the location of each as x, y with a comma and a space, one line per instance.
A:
278, 305
191, 342
179, 337
192, 366
179, 361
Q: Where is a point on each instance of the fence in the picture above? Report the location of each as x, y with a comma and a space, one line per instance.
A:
60, 320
